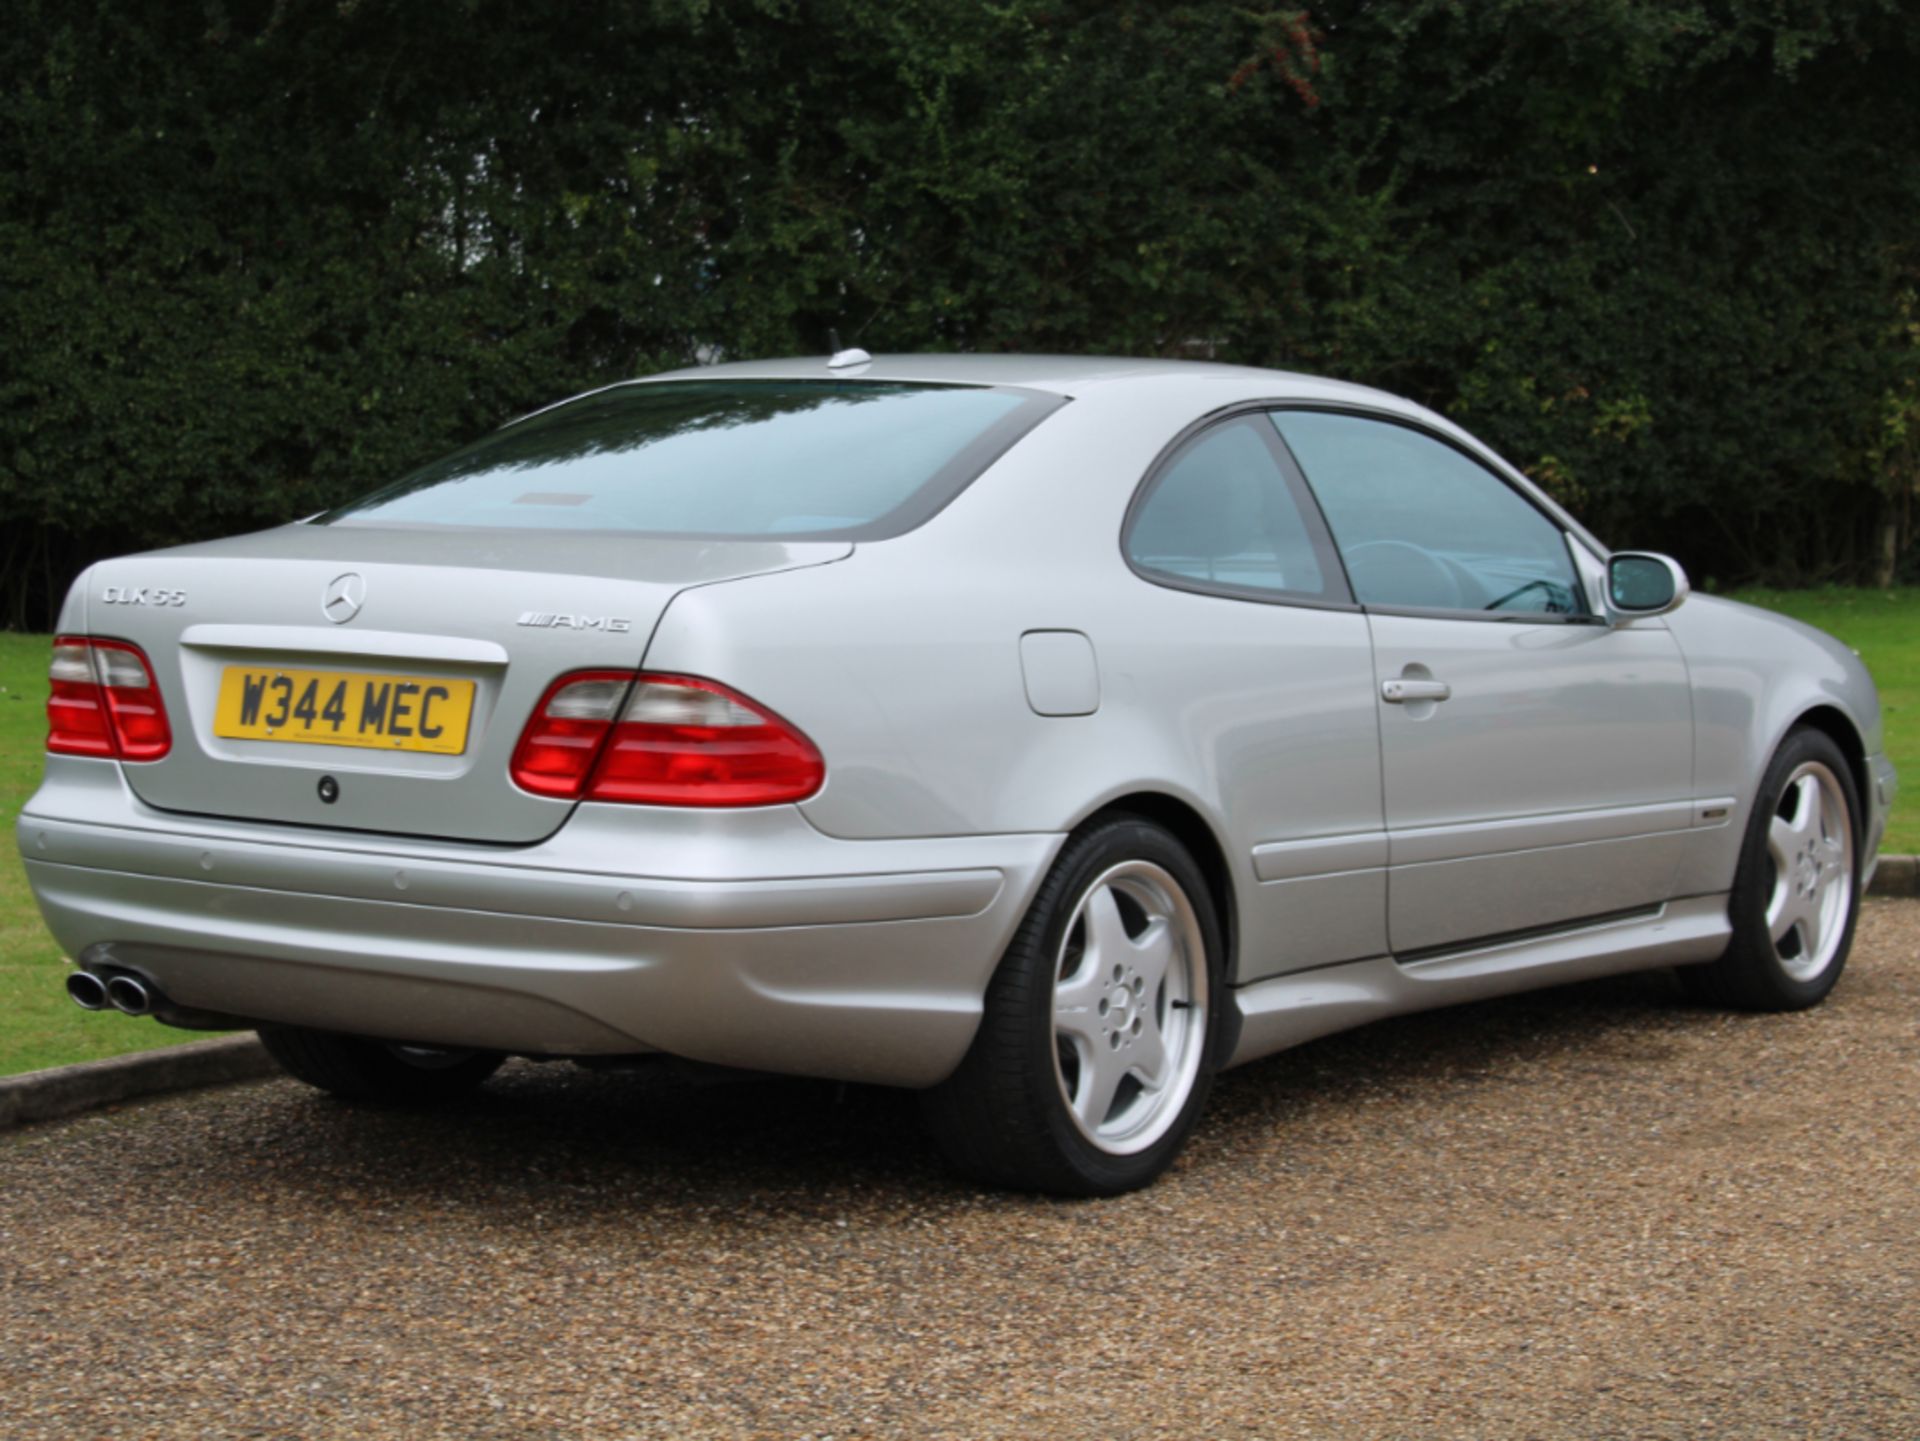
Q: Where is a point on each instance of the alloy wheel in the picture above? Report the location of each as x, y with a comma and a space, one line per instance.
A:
1810, 845
1130, 1003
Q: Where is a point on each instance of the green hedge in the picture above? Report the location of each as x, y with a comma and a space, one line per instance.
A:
255, 258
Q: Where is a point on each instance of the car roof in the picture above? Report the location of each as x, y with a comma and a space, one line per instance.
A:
1076, 376
1057, 374
1089, 375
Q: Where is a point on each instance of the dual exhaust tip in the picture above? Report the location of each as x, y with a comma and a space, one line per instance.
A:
129, 994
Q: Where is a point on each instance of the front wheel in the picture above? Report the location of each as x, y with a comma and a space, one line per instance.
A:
381, 1073
1796, 893
1095, 1049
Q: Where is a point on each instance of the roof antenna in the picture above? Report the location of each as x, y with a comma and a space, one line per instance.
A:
844, 359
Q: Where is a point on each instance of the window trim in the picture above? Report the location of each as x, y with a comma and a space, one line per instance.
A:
1338, 589
1566, 534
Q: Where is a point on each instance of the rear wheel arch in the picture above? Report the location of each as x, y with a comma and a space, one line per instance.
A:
1192, 830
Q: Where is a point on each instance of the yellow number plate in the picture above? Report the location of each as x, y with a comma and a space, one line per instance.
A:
338, 708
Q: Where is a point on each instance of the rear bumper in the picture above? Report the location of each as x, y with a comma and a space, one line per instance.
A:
742, 938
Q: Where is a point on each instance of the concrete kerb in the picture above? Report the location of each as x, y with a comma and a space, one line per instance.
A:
1896, 876
70, 1090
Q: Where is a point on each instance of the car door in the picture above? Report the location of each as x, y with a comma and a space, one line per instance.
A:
1262, 661
1536, 761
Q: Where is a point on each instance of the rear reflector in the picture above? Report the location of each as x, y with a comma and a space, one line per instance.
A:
663, 740
102, 701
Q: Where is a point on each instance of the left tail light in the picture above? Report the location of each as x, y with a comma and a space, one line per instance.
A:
102, 701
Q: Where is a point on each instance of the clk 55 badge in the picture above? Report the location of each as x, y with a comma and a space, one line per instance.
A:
141, 595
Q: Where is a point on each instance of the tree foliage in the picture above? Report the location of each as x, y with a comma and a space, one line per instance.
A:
256, 258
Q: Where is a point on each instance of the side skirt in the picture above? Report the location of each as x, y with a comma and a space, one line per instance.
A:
1288, 1010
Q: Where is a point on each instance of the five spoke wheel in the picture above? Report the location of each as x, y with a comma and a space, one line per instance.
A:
360, 1068
1796, 890
1129, 1006
1095, 1048
1810, 843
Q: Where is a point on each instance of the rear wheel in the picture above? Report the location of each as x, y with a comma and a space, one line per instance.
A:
1094, 1054
1796, 894
357, 1068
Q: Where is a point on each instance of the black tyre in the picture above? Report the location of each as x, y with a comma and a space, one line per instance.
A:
381, 1073
1796, 894
1096, 1049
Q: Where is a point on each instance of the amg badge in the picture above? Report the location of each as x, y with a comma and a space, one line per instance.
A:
549, 620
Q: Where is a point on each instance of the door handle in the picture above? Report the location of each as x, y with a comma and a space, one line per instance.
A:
1399, 692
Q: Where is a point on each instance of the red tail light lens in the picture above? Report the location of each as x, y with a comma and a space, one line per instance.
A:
663, 740
103, 701
563, 739
687, 742
76, 711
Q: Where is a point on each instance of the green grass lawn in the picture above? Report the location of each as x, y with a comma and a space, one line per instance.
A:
40, 1027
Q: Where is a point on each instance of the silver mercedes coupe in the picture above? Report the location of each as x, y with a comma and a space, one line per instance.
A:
1044, 734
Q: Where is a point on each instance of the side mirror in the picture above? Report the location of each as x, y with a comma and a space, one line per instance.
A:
1640, 583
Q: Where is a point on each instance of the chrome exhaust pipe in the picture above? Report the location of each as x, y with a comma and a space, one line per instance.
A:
87, 991
130, 995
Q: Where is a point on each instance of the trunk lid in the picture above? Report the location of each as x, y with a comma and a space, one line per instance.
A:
434, 609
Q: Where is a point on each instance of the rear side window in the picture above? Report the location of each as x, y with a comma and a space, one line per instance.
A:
1422, 527
1222, 515
786, 459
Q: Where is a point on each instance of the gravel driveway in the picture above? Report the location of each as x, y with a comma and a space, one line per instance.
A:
1594, 1212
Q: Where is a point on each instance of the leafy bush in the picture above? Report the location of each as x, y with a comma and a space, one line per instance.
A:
256, 258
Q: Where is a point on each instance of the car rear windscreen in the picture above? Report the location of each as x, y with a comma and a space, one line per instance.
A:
774, 458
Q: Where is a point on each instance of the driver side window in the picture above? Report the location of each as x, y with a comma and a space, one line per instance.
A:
1422, 527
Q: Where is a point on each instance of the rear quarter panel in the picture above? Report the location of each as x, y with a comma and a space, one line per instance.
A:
903, 662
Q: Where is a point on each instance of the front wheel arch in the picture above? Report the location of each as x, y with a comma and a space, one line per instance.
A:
1838, 727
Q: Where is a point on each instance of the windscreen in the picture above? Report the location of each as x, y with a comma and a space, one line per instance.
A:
792, 459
